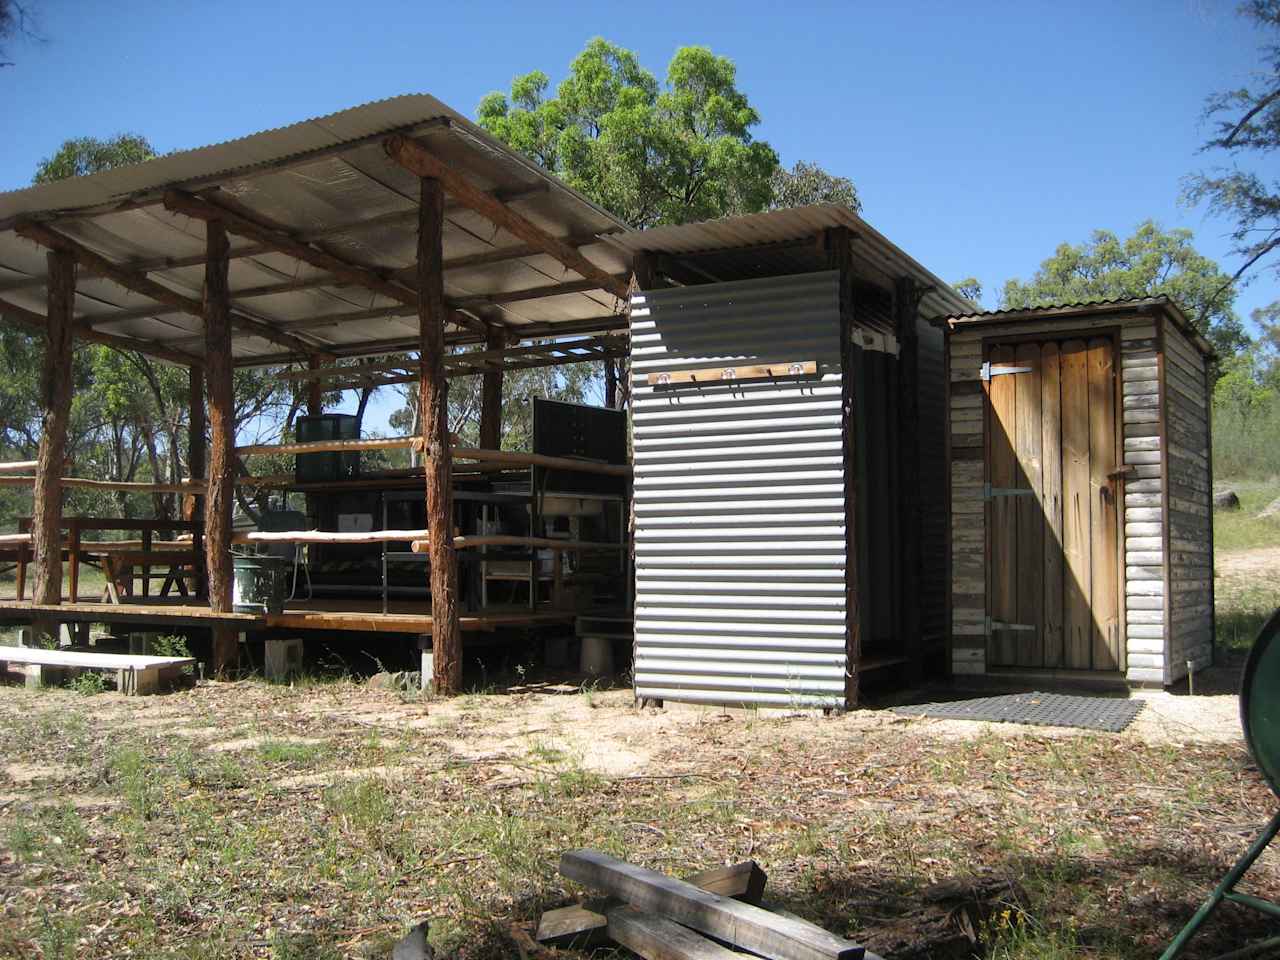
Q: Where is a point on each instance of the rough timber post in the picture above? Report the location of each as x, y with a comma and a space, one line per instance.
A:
55, 402
446, 640
217, 504
611, 384
315, 391
491, 395
836, 245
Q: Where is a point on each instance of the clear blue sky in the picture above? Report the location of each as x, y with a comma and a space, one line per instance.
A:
980, 135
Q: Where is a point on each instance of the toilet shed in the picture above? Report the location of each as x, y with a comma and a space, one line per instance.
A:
789, 415
1081, 535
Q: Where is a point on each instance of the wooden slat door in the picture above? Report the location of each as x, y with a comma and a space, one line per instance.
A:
1053, 597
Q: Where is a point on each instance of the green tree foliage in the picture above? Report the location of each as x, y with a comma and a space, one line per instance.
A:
651, 153
1152, 261
970, 288
807, 183
85, 155
1246, 124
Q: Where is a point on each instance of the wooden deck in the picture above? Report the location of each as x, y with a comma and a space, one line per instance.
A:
345, 614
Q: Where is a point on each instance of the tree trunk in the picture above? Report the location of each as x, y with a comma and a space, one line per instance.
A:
434, 400
611, 384
220, 490
195, 437
55, 404
491, 396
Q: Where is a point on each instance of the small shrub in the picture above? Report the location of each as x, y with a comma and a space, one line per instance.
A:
89, 683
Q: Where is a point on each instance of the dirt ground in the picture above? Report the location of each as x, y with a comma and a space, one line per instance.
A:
247, 820
319, 821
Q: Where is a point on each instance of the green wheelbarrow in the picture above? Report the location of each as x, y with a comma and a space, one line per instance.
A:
1260, 717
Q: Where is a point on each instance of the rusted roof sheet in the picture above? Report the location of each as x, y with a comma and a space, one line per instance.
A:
1160, 302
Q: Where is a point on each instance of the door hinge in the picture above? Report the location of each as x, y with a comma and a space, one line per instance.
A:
994, 625
988, 371
989, 492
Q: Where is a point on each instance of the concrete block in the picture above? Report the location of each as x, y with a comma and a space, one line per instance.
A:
282, 659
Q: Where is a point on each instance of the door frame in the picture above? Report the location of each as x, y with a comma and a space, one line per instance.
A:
1113, 334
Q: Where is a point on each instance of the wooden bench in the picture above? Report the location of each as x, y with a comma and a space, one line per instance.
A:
134, 674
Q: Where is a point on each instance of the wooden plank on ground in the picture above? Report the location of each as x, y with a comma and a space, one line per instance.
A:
1104, 596
1076, 546
1028, 437
1002, 516
582, 925
1051, 501
741, 924
657, 938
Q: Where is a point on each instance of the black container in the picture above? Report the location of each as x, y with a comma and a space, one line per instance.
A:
327, 467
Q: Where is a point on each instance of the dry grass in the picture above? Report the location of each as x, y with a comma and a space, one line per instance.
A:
343, 815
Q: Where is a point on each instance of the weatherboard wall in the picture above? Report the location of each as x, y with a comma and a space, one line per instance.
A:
1189, 538
1164, 519
739, 496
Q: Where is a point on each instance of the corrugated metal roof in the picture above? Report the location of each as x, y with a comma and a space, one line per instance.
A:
326, 178
871, 249
1118, 304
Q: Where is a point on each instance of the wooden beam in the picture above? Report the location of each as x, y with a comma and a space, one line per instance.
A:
491, 395
543, 460
741, 924
446, 638
34, 321
131, 486
416, 158
475, 541
506, 254
655, 937
141, 284
210, 208
55, 411
529, 293
331, 446
221, 489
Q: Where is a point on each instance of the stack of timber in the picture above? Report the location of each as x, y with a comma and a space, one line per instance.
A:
714, 915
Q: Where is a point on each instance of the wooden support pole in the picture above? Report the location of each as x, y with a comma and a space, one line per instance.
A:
315, 391
446, 638
836, 243
491, 395
906, 308
55, 404
196, 444
416, 158
218, 500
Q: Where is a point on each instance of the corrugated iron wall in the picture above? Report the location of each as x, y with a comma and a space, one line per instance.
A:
739, 497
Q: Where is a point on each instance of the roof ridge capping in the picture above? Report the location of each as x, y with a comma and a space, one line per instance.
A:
1158, 303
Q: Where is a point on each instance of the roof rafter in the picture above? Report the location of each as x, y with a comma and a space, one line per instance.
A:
207, 208
141, 284
417, 159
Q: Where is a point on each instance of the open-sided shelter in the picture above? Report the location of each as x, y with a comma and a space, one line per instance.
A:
395, 226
